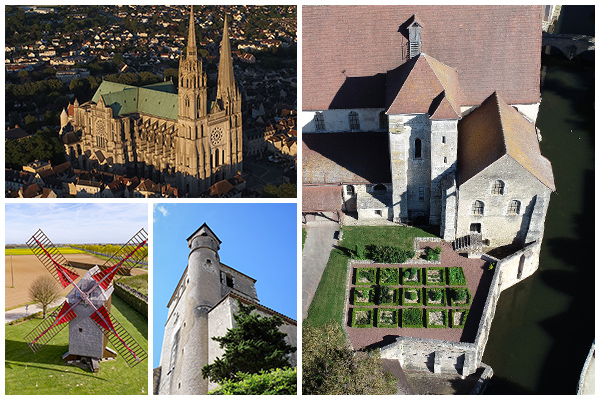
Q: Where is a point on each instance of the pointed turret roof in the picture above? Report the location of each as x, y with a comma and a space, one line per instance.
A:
226, 78
204, 229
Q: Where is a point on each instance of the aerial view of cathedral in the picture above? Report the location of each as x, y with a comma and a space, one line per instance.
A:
180, 137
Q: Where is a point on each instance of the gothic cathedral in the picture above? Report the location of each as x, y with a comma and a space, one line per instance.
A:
184, 138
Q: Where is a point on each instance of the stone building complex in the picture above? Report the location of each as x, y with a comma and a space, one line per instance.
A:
202, 307
425, 115
181, 137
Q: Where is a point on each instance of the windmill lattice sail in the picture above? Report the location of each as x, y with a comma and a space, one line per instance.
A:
50, 327
122, 341
52, 259
130, 254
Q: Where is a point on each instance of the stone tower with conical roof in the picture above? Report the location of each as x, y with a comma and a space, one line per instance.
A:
202, 307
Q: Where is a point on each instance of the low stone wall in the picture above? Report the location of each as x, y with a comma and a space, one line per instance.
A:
82, 265
135, 299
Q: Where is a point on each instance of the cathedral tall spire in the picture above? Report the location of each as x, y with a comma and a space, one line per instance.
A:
226, 79
191, 47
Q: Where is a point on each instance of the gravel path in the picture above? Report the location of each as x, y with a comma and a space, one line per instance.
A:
478, 281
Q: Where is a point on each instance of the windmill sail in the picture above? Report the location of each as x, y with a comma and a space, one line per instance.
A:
123, 342
50, 327
52, 259
130, 254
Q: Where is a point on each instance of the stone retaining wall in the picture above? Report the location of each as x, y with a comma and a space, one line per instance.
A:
135, 299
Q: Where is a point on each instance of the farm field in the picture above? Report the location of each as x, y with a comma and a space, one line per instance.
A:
27, 267
45, 373
27, 251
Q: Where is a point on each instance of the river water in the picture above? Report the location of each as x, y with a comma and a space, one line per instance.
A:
544, 326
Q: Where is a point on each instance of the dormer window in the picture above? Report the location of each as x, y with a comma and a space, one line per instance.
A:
414, 38
319, 121
354, 123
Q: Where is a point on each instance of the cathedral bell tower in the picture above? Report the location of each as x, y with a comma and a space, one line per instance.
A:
192, 117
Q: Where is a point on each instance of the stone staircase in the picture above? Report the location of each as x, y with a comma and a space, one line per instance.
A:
471, 243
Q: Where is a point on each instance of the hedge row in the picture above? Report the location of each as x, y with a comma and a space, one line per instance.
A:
135, 301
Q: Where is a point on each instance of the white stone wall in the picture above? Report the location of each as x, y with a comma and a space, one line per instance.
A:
520, 265
241, 282
497, 225
399, 148
444, 144
339, 120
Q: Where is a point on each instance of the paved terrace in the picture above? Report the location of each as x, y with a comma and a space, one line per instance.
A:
478, 281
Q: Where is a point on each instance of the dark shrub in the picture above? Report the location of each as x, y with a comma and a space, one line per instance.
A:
460, 294
456, 276
432, 254
412, 295
387, 254
412, 317
435, 295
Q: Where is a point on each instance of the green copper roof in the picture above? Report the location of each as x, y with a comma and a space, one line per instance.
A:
158, 99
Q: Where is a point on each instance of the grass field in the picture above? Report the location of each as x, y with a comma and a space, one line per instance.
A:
138, 282
328, 303
45, 373
26, 251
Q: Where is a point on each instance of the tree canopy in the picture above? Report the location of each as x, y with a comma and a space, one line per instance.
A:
255, 344
330, 366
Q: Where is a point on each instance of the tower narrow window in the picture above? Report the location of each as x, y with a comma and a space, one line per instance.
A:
477, 207
319, 121
354, 122
421, 194
417, 148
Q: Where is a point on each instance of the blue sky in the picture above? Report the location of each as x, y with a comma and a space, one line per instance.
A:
259, 240
75, 222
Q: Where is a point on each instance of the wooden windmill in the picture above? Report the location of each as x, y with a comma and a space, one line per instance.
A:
87, 308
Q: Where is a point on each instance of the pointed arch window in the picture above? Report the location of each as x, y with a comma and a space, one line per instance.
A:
477, 208
418, 148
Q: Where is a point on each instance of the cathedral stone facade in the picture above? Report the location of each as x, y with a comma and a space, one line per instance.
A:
202, 307
181, 137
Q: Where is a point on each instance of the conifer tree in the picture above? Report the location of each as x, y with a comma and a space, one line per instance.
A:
254, 344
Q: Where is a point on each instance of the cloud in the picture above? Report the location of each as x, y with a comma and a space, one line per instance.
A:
160, 209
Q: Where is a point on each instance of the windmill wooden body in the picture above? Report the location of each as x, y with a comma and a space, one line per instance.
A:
87, 308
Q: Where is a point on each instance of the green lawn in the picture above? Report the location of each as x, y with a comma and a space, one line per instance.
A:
26, 251
45, 373
138, 282
328, 302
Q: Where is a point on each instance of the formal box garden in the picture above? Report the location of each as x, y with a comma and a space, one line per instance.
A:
410, 297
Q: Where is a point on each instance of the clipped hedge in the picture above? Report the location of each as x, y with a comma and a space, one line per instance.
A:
418, 291
278, 381
461, 324
409, 272
412, 317
365, 293
432, 293
362, 317
387, 296
430, 311
456, 276
365, 276
389, 276
387, 318
388, 254
137, 303
442, 279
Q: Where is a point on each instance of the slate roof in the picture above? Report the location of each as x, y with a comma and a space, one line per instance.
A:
348, 49
345, 157
158, 99
15, 133
494, 130
423, 85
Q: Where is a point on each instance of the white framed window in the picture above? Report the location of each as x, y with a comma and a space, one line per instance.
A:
319, 121
514, 207
498, 188
478, 207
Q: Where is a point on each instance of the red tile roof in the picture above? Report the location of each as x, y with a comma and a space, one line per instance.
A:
420, 86
347, 50
321, 198
494, 130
